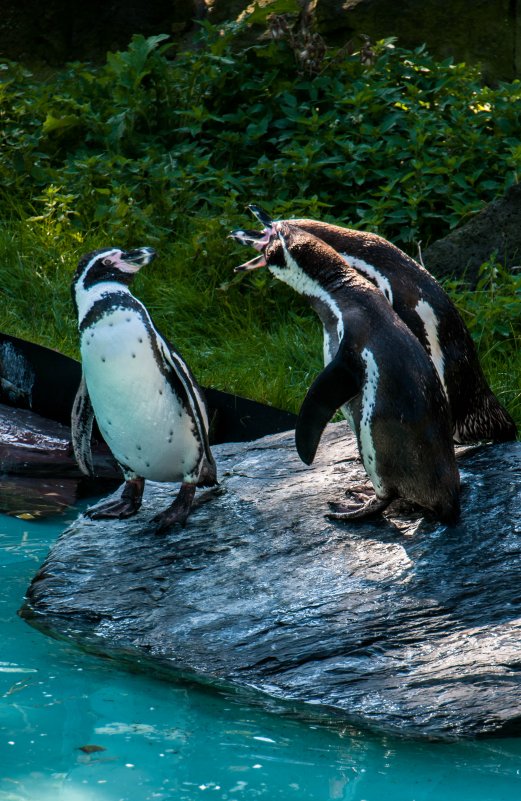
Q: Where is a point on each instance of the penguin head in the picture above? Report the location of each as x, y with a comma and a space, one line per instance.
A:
111, 264
108, 265
292, 255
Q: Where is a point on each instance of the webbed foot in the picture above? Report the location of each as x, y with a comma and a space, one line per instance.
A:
370, 510
127, 505
178, 512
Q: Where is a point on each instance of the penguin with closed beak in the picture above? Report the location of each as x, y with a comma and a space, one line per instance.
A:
148, 406
427, 310
379, 375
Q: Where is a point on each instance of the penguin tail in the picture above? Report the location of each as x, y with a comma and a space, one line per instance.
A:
488, 421
449, 512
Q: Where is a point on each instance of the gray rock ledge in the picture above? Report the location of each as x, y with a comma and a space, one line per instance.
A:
406, 626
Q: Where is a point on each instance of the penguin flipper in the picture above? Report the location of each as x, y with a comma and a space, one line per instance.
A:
181, 377
337, 384
81, 428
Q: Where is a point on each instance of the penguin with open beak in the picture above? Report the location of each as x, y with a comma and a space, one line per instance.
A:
429, 313
377, 372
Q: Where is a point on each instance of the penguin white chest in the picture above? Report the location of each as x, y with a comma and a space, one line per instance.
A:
139, 415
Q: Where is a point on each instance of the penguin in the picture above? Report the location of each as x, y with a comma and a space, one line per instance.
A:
149, 409
379, 375
427, 310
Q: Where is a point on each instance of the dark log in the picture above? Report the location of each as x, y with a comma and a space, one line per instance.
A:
407, 626
38, 473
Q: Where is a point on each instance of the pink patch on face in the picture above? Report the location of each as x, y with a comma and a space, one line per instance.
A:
117, 261
260, 244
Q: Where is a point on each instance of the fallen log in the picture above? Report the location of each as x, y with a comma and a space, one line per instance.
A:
407, 626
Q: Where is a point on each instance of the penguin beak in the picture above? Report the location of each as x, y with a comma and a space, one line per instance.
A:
137, 258
262, 215
253, 264
246, 237
257, 239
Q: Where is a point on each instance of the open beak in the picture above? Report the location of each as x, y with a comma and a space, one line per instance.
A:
253, 264
257, 239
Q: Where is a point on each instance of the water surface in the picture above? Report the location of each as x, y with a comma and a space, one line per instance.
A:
74, 727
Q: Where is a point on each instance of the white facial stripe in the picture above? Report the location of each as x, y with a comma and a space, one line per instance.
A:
370, 271
367, 449
430, 323
298, 280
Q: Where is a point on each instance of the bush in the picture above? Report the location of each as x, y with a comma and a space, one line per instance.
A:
407, 146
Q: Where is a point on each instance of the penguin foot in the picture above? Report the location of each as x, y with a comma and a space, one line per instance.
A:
127, 505
371, 510
364, 491
178, 512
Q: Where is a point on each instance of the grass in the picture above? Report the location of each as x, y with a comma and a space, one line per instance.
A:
235, 334
249, 335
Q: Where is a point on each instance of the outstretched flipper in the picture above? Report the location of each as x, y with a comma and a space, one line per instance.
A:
337, 384
81, 429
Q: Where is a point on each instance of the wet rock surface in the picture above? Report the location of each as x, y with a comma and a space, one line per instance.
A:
407, 626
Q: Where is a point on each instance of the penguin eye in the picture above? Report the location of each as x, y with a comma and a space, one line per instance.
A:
107, 262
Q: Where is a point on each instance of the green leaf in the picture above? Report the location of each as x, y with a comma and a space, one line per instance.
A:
52, 123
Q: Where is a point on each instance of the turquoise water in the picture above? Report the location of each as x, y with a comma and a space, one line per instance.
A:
164, 741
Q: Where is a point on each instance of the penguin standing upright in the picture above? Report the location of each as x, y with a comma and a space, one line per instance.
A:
148, 406
427, 310
380, 373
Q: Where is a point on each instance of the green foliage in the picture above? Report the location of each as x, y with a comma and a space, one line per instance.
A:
407, 146
163, 150
492, 313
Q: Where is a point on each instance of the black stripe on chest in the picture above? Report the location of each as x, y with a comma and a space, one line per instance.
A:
109, 303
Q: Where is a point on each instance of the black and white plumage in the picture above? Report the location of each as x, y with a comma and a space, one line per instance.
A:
148, 406
379, 375
427, 310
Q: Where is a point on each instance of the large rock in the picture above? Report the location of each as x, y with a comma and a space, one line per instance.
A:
494, 232
38, 473
408, 626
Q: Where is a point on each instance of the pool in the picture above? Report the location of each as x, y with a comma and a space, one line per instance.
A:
74, 727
